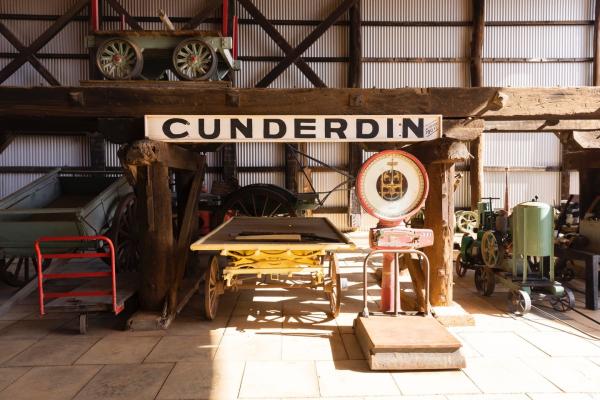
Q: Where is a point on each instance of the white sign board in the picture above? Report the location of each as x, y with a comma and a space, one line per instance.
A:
293, 128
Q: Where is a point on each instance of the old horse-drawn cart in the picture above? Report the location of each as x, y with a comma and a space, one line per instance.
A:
65, 203
273, 252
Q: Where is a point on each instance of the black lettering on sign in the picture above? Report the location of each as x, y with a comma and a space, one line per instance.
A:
338, 130
390, 128
360, 126
267, 129
202, 132
245, 130
167, 125
302, 124
417, 129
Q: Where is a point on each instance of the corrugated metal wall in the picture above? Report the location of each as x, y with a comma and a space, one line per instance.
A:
563, 53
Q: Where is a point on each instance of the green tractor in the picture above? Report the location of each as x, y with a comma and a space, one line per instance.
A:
517, 251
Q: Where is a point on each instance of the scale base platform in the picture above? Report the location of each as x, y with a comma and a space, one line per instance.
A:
406, 342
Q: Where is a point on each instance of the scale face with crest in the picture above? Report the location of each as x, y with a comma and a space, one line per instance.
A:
392, 186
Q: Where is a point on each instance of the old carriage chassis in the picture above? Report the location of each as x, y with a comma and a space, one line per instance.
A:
283, 249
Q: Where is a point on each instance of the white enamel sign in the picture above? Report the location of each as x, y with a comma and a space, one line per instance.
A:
293, 128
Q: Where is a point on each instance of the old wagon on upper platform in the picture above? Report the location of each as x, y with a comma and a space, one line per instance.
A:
192, 55
66, 203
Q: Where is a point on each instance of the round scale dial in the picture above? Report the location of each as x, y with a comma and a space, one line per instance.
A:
392, 185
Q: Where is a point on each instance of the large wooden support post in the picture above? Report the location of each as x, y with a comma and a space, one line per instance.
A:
147, 166
597, 45
439, 210
156, 227
476, 171
439, 157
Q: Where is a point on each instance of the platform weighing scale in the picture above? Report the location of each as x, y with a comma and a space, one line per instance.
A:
392, 186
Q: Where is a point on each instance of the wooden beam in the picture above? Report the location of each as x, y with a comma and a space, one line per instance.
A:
355, 47
306, 43
463, 129
476, 68
477, 171
439, 151
291, 168
439, 212
453, 103
146, 152
582, 159
33, 60
203, 15
563, 125
115, 5
42, 40
281, 42
587, 140
596, 71
156, 226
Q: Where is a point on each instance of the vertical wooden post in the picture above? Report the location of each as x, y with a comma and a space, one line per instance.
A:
354, 81
439, 208
596, 81
476, 169
291, 168
155, 217
477, 43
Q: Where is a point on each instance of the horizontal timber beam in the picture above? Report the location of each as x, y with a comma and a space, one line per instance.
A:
486, 102
551, 125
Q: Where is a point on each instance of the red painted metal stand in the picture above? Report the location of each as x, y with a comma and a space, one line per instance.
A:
77, 275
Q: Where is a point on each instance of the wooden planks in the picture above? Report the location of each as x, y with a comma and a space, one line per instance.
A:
486, 102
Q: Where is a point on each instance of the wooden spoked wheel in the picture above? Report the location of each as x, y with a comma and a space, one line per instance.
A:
335, 283
485, 281
519, 302
125, 235
467, 221
491, 251
18, 271
459, 266
194, 60
119, 59
211, 289
257, 201
565, 302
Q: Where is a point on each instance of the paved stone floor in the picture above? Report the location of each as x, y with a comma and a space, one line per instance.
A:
275, 344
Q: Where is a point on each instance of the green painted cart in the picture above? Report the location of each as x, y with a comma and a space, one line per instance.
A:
66, 203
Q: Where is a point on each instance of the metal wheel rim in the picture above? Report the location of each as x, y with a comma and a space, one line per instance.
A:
211, 295
259, 202
18, 271
335, 294
478, 278
489, 249
194, 60
124, 235
520, 302
488, 282
119, 59
563, 303
467, 221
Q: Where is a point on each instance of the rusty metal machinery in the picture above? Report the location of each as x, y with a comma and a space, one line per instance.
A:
192, 55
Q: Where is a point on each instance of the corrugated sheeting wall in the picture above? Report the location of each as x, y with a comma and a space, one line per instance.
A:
41, 151
451, 42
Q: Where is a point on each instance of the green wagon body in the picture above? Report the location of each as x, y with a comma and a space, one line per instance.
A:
61, 203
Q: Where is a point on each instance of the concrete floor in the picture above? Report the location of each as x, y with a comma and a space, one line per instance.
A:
275, 344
